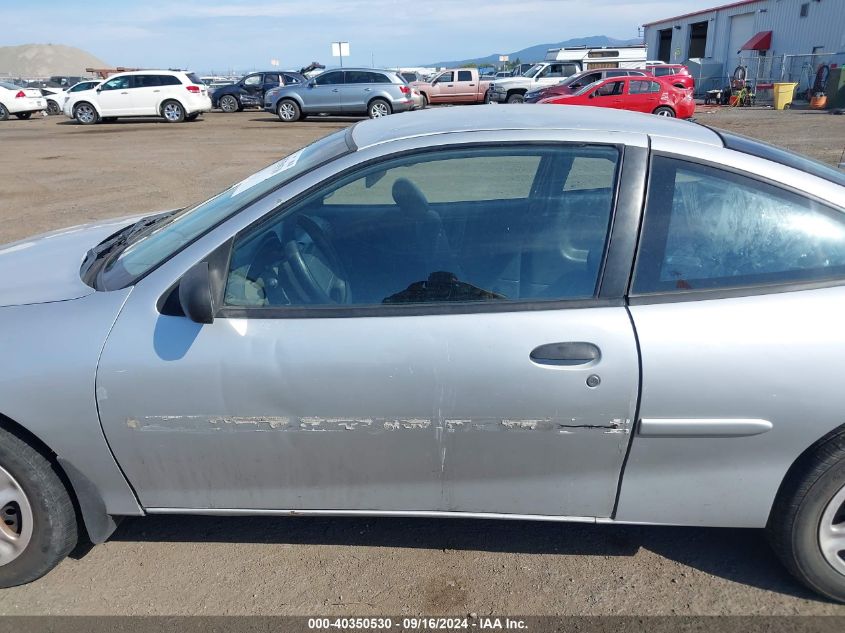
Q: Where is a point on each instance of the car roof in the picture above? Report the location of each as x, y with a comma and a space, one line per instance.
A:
148, 71
525, 117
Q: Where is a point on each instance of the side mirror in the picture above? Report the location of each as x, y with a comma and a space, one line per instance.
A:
99, 90
195, 295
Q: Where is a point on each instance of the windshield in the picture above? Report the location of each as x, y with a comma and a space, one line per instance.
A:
533, 70
173, 234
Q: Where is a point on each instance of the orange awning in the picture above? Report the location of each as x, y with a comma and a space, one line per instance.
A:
760, 42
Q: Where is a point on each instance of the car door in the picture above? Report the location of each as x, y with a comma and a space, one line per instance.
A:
736, 300
269, 81
465, 87
115, 96
323, 92
609, 94
356, 91
458, 343
642, 95
147, 94
445, 83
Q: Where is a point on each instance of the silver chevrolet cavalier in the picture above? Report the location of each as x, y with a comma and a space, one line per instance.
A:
569, 314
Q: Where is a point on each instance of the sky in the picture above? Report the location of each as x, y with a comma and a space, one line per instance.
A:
207, 35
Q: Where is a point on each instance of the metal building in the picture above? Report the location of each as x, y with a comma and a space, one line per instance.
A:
776, 40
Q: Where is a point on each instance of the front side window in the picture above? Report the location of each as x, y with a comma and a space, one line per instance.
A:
446, 77
118, 83
478, 224
610, 89
706, 228
329, 79
252, 80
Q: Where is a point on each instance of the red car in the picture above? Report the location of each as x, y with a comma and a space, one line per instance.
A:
676, 74
641, 94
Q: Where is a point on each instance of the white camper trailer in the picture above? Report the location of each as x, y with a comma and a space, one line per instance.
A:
603, 57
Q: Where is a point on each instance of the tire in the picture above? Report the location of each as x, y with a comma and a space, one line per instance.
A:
664, 111
173, 111
39, 522
53, 107
4, 113
192, 117
378, 108
108, 119
516, 98
85, 113
229, 104
288, 111
425, 101
23, 115
811, 501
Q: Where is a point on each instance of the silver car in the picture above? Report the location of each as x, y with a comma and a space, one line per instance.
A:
569, 314
349, 91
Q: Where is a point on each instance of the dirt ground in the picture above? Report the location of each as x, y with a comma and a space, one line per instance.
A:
54, 173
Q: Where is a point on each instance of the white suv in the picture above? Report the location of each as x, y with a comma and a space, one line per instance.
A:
175, 95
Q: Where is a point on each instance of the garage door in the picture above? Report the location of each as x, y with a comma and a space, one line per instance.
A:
742, 29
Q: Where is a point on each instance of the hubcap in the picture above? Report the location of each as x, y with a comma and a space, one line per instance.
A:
85, 113
379, 110
287, 111
228, 104
172, 112
664, 113
832, 532
15, 518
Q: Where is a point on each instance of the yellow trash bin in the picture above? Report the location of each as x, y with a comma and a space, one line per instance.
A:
784, 94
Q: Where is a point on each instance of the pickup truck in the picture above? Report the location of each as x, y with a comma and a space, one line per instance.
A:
455, 85
513, 89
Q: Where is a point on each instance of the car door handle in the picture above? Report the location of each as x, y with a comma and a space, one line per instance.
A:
471, 85
156, 90
336, 90
566, 354
124, 93
450, 85
368, 89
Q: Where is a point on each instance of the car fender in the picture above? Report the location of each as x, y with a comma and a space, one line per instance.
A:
294, 96
93, 102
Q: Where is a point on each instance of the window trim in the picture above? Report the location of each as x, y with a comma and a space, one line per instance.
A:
705, 294
608, 292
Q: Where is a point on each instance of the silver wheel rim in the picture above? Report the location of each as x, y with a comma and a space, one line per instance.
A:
287, 112
172, 112
664, 113
85, 113
228, 104
379, 110
15, 518
832, 532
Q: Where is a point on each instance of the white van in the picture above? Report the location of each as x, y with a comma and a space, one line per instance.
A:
174, 95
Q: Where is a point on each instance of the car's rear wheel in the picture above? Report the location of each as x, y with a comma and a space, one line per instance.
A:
53, 107
23, 115
85, 113
173, 111
4, 113
288, 111
424, 101
807, 524
229, 104
37, 518
516, 98
378, 108
664, 111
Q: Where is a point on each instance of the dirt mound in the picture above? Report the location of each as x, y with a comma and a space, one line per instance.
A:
44, 60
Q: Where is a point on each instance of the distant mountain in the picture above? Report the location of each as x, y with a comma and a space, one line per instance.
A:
44, 60
538, 52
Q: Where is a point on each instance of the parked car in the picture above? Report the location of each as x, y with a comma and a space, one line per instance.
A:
541, 75
410, 76
348, 91
573, 83
21, 102
175, 96
646, 94
677, 74
455, 85
56, 99
249, 91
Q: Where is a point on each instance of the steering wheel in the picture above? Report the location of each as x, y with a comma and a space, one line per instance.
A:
336, 289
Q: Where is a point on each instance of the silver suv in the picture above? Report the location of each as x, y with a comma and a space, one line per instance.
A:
375, 93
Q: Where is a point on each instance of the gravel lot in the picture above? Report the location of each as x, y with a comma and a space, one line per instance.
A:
56, 173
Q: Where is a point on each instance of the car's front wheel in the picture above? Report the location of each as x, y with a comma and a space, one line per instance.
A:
288, 111
37, 518
229, 104
378, 108
516, 98
85, 113
807, 524
664, 111
173, 111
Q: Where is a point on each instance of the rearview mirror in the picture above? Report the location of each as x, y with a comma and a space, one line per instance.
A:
195, 294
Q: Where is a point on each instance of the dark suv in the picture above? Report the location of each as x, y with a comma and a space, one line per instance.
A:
249, 91
579, 80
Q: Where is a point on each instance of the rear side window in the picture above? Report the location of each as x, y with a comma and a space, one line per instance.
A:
707, 228
169, 80
638, 87
194, 78
662, 72
464, 75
